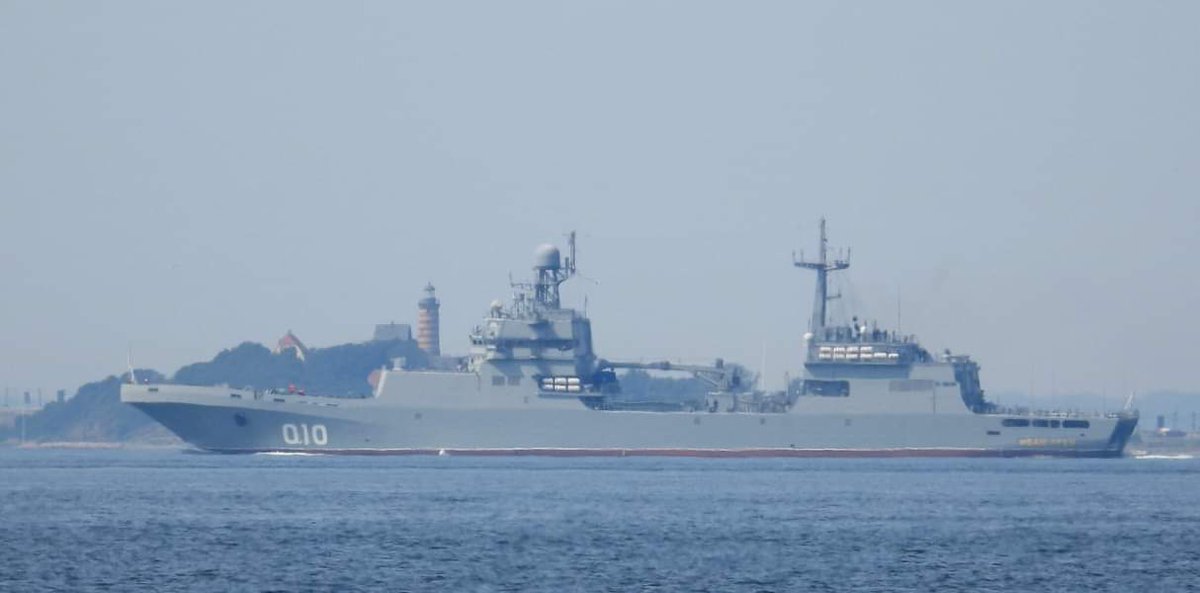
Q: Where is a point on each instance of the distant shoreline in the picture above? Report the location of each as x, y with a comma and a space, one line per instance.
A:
90, 445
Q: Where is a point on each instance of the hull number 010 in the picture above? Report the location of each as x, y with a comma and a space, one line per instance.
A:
304, 434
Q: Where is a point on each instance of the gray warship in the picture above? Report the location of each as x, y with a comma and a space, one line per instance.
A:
532, 385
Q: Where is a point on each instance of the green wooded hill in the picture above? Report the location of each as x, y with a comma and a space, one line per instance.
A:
94, 414
339, 370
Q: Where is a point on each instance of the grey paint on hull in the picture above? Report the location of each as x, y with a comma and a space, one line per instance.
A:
209, 419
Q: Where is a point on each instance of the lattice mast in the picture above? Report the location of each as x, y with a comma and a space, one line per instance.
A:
823, 265
552, 272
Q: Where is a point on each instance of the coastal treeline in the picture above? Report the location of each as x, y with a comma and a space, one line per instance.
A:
338, 370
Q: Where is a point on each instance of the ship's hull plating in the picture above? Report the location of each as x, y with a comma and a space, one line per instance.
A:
211, 419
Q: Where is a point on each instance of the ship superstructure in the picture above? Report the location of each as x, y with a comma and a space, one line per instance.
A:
532, 384
536, 342
872, 359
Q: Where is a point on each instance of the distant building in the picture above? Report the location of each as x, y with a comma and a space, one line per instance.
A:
392, 331
289, 341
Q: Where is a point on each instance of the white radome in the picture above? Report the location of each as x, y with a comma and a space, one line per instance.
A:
546, 257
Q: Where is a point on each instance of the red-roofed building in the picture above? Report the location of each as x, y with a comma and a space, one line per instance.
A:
289, 341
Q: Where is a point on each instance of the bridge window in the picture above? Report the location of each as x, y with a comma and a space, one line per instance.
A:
497, 380
1015, 422
514, 380
1041, 423
1076, 424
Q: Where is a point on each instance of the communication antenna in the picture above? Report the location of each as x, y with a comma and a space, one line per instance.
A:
129, 362
570, 263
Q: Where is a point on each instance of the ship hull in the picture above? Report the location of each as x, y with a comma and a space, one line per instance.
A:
710, 453
214, 420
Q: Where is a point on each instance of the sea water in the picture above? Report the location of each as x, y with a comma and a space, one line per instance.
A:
121, 520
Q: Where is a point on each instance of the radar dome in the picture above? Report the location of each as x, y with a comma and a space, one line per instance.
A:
546, 257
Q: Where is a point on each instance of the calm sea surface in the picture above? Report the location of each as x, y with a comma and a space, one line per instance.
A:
174, 521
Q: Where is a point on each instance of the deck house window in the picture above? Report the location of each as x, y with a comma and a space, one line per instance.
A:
827, 388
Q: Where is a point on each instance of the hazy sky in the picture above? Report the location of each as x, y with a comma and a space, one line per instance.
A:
183, 177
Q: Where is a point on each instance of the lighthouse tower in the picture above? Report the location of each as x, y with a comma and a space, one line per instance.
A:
427, 323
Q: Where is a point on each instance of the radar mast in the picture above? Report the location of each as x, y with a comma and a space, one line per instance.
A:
823, 265
552, 271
